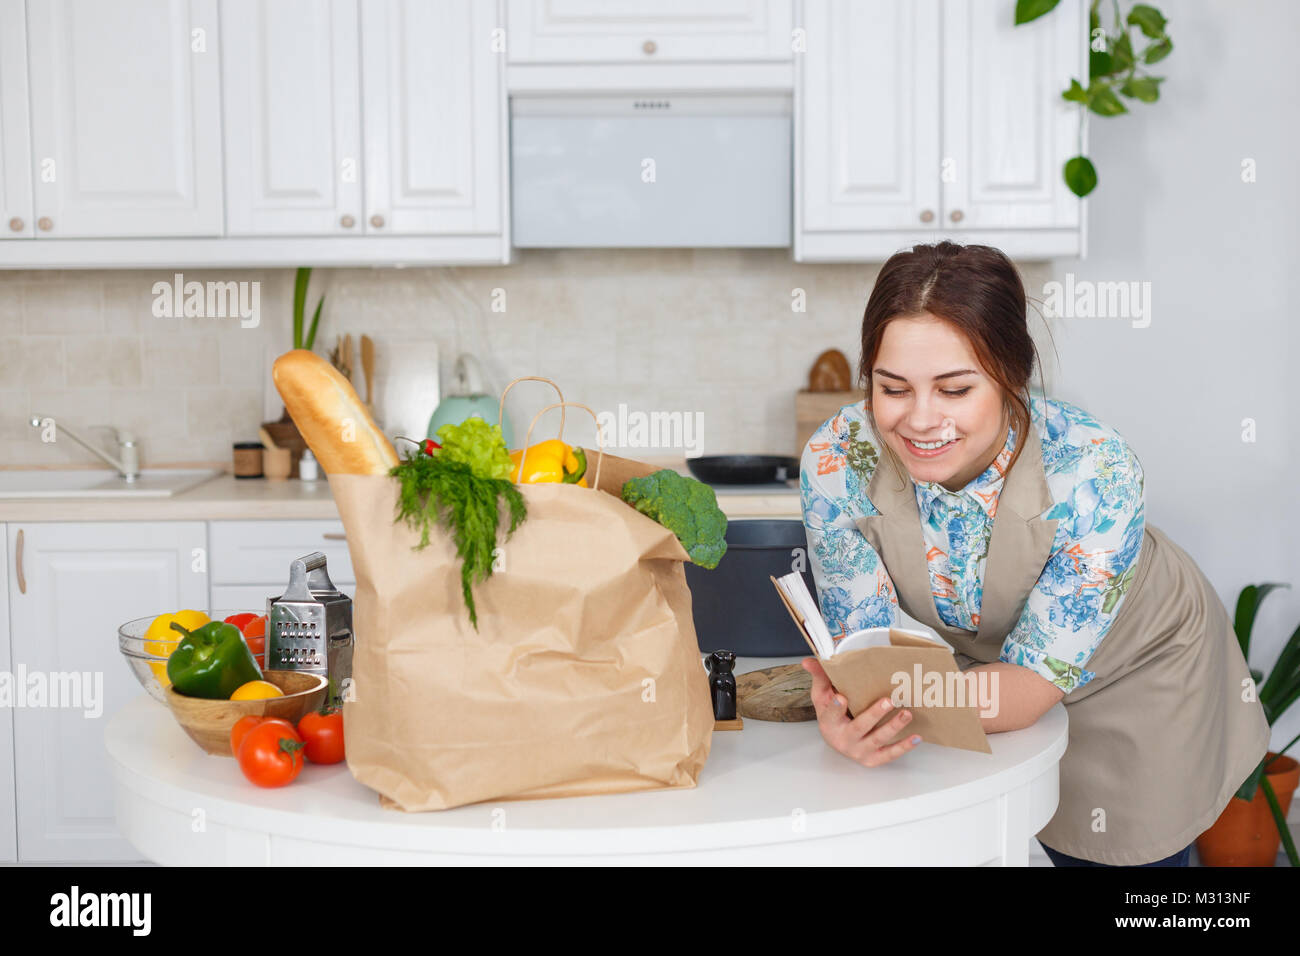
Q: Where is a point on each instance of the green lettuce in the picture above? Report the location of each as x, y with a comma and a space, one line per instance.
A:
477, 444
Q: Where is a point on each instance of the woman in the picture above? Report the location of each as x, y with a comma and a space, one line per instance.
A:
1031, 557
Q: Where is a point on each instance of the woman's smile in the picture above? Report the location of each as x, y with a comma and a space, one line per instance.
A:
931, 449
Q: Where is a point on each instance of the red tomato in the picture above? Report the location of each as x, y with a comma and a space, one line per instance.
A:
240, 620
323, 735
254, 631
242, 726
270, 755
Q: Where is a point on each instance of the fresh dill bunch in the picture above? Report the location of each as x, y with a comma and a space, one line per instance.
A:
437, 490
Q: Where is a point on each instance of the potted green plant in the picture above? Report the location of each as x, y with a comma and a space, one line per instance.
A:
284, 432
1250, 826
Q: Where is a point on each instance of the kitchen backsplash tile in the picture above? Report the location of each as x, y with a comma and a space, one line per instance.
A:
712, 332
113, 360
30, 360
62, 307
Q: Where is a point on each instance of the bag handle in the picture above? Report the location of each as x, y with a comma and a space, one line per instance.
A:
501, 408
600, 439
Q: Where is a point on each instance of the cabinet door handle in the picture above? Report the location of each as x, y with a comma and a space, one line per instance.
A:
377, 221
18, 563
956, 215
328, 536
927, 215
16, 224
45, 223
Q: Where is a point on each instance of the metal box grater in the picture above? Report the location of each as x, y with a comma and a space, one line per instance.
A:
311, 626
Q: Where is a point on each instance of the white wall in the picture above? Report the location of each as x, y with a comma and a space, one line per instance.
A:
1222, 258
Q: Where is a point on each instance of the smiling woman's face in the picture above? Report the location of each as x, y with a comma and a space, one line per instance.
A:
916, 397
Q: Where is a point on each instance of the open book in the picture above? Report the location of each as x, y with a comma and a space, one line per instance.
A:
911, 669
803, 608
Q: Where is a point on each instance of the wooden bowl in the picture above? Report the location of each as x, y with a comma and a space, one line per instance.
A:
208, 722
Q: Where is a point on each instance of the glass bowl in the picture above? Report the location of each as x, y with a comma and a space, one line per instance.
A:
148, 659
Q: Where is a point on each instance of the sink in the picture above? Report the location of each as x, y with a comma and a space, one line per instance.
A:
100, 483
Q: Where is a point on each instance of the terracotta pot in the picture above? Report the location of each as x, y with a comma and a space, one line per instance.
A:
1245, 833
286, 435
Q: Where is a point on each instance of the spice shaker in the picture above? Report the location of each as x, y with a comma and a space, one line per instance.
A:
308, 467
722, 684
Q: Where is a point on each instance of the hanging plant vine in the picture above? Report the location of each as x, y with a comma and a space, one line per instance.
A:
1114, 70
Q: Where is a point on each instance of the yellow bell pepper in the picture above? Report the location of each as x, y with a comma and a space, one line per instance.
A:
160, 639
549, 461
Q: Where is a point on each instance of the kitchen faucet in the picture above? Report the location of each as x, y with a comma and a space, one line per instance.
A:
129, 465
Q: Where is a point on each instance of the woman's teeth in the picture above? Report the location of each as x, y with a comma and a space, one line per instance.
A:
931, 445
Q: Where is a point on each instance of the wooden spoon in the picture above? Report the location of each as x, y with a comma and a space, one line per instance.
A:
368, 366
265, 436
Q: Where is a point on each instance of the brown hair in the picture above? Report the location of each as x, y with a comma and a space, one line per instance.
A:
978, 291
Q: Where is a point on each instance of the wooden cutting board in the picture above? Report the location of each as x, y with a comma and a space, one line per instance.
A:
776, 693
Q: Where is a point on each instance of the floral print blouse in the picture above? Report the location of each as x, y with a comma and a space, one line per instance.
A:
1095, 482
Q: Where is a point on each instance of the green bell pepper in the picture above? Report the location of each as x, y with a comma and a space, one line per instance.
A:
212, 661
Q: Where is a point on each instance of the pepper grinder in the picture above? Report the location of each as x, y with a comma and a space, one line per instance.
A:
722, 689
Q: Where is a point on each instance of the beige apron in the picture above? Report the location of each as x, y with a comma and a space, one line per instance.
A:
1160, 739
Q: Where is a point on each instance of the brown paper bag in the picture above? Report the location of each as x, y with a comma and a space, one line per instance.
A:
867, 674
584, 675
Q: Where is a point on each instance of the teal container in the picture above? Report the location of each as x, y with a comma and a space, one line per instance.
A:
467, 399
457, 408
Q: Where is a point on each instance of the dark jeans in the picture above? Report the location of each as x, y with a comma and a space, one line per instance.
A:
1060, 859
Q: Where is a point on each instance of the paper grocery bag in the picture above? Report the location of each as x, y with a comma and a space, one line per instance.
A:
584, 676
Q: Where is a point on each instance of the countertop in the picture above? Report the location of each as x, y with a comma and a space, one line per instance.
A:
226, 498
770, 793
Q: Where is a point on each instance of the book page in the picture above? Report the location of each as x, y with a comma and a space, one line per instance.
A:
794, 588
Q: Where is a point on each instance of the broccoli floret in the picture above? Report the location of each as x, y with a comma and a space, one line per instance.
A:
686, 507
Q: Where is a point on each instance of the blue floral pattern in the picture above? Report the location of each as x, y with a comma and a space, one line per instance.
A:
1096, 485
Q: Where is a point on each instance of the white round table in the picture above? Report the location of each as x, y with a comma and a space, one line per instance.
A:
769, 794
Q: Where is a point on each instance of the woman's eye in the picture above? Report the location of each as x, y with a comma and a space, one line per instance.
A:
952, 393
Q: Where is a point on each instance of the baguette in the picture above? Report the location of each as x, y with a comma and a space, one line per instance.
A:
333, 421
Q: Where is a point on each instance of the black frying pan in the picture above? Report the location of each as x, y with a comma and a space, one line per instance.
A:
743, 469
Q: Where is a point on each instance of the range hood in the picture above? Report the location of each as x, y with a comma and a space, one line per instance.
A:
644, 171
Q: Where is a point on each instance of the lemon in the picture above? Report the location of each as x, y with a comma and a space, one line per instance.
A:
160, 638
256, 690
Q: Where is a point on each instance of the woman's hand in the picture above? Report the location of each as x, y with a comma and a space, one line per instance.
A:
857, 738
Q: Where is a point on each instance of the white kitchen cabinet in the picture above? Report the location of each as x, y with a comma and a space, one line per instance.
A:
8, 815
868, 106
259, 552
647, 31
70, 586
917, 120
1006, 130
250, 559
434, 118
15, 146
291, 96
125, 118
